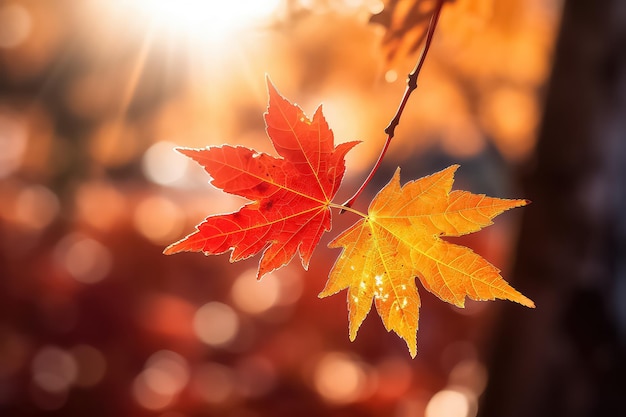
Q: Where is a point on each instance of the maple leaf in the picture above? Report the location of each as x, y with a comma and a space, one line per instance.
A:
400, 239
290, 194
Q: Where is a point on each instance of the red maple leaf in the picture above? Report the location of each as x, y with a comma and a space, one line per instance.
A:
290, 194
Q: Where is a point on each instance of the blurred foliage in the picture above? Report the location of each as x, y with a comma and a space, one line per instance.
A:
94, 95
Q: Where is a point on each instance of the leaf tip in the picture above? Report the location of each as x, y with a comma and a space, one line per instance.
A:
352, 334
262, 271
271, 88
526, 302
452, 169
354, 324
329, 290
171, 249
411, 343
324, 293
188, 152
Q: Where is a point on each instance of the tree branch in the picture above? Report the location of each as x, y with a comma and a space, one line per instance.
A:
410, 87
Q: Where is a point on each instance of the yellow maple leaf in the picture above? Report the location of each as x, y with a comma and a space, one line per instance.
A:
400, 239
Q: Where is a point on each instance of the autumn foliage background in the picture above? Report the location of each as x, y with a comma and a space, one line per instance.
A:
94, 95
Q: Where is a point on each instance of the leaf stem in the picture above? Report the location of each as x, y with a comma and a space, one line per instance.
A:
344, 208
410, 87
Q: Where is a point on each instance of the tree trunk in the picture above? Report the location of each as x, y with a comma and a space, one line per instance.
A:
567, 357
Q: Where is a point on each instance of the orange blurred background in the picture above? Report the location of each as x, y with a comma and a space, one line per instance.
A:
94, 96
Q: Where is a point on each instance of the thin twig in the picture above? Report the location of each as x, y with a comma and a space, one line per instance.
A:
410, 87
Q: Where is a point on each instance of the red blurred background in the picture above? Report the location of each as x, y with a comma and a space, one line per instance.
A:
94, 96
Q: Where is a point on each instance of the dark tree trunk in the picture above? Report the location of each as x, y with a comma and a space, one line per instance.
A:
567, 357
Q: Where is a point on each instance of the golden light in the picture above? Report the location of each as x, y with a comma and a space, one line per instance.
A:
205, 20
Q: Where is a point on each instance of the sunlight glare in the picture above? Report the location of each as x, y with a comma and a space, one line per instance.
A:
205, 19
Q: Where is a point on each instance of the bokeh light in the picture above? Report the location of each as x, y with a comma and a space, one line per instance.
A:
36, 207
100, 205
85, 259
391, 76
159, 219
339, 378
54, 369
469, 374
253, 296
216, 324
148, 398
165, 374
290, 284
13, 141
162, 165
451, 402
